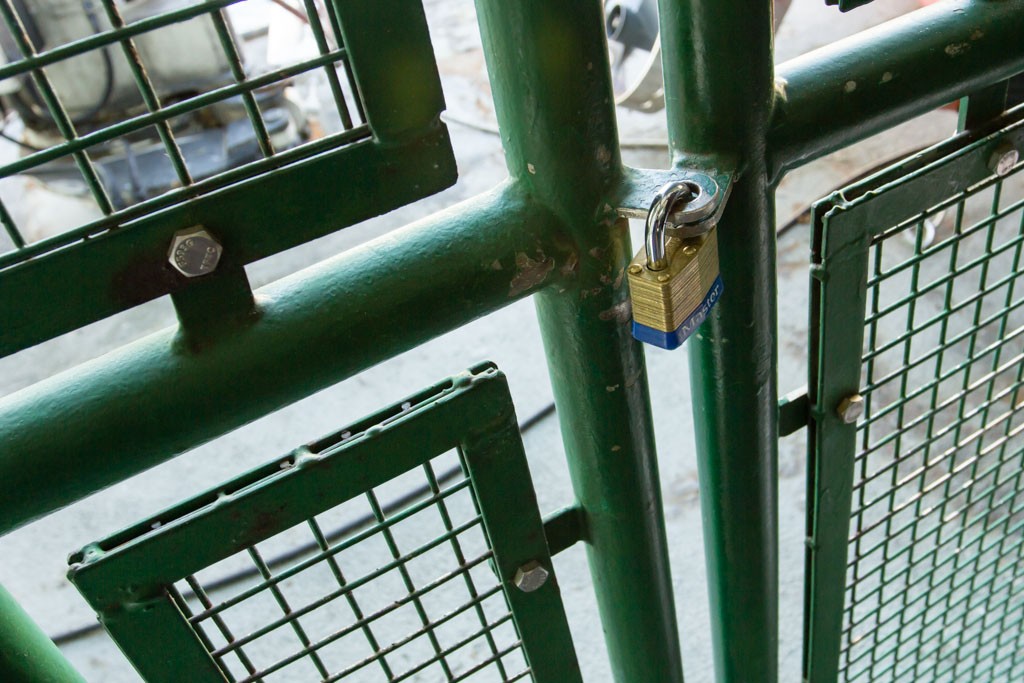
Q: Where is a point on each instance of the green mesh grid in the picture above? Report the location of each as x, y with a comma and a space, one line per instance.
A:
935, 578
74, 142
125, 123
916, 430
389, 551
409, 597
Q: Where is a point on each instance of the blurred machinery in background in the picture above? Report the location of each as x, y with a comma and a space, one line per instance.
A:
99, 88
632, 28
633, 41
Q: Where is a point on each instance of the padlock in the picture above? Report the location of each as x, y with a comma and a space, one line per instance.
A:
675, 281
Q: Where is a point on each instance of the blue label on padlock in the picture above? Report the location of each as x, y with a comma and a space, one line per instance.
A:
674, 339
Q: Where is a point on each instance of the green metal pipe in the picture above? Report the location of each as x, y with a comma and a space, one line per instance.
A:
26, 654
718, 71
125, 412
548, 64
600, 385
854, 88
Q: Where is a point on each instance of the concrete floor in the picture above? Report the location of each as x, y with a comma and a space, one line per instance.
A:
34, 567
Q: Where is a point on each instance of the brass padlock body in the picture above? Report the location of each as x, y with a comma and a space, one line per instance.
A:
670, 304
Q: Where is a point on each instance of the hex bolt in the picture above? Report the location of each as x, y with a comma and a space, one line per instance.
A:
851, 408
194, 252
1003, 159
530, 576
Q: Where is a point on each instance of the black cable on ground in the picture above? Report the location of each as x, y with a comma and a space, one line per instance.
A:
339, 533
35, 37
108, 68
24, 145
38, 43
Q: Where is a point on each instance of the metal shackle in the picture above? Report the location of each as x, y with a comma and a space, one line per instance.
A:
665, 202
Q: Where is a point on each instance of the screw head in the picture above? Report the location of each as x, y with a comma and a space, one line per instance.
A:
194, 252
851, 408
636, 269
1003, 159
663, 278
530, 576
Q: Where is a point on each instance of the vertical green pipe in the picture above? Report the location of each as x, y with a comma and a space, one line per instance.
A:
549, 74
26, 654
719, 93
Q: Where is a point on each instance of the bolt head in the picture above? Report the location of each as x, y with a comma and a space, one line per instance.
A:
1003, 159
530, 576
851, 408
194, 252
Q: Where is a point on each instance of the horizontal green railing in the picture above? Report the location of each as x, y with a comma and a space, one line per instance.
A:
553, 231
298, 311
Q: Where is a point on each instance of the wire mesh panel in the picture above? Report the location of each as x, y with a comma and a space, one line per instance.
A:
269, 123
192, 82
334, 572
915, 532
420, 572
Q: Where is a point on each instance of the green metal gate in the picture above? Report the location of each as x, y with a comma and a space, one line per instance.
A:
143, 581
913, 529
916, 376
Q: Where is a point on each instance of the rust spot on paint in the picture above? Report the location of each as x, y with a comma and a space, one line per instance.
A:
618, 278
632, 380
957, 49
530, 272
572, 264
620, 313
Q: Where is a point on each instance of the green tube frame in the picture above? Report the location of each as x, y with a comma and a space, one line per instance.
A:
26, 654
553, 230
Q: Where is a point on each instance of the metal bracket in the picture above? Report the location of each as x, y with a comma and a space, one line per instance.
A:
632, 195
